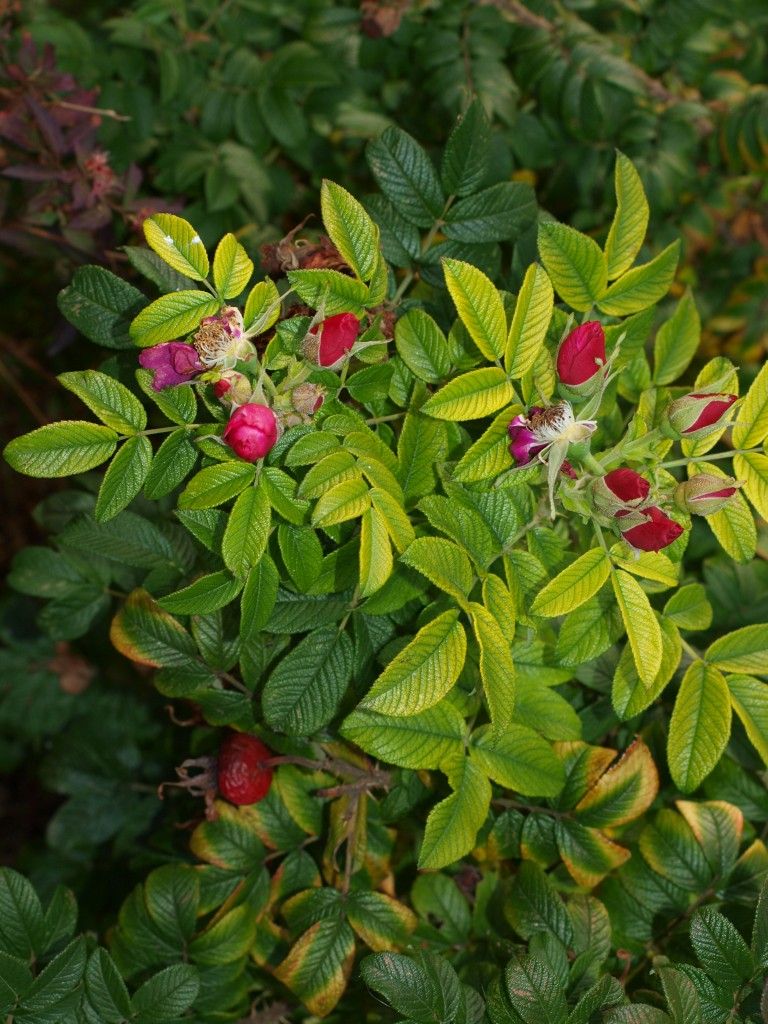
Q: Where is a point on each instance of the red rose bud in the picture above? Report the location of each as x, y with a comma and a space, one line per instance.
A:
581, 361
243, 777
621, 489
251, 431
696, 415
334, 341
233, 388
174, 362
704, 494
655, 532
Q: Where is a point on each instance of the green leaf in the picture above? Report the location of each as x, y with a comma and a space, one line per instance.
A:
423, 672
406, 986
124, 478
467, 154
394, 517
172, 897
575, 264
245, 538
146, 634
442, 562
155, 269
232, 267
101, 306
760, 929
216, 484
375, 552
178, 404
330, 291
453, 824
303, 693
172, 316
722, 951
574, 585
171, 464
61, 449
207, 594
479, 306
752, 428
167, 994
422, 443
677, 341
682, 997
106, 989
350, 229
700, 726
533, 312
302, 554
22, 925
380, 920
641, 624
110, 400
643, 286
466, 521
743, 650
406, 176
56, 981
534, 991
424, 740
422, 346
497, 214
346, 500
489, 455
176, 241
318, 967
752, 468
629, 695
497, 669
262, 307
258, 600
533, 905
630, 221
518, 758
226, 938
471, 396
689, 608
749, 698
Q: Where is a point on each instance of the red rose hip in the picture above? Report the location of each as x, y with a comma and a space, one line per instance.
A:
244, 778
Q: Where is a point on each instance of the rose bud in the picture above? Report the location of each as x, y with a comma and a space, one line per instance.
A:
220, 340
696, 415
307, 398
174, 362
655, 532
251, 431
334, 341
233, 388
705, 493
581, 361
621, 489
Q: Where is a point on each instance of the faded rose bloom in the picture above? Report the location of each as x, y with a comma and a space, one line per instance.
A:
706, 493
619, 490
581, 360
174, 362
530, 435
525, 445
333, 341
220, 339
696, 415
251, 431
655, 532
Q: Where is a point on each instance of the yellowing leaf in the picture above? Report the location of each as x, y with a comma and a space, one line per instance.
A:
497, 669
453, 824
574, 585
318, 967
442, 562
479, 306
232, 267
642, 287
621, 794
752, 468
575, 264
344, 501
630, 221
587, 854
641, 624
700, 726
471, 396
752, 427
176, 241
533, 312
424, 671
749, 698
375, 552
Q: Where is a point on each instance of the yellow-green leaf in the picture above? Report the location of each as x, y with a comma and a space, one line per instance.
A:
421, 741
489, 456
247, 532
344, 501
575, 264
630, 221
743, 650
442, 562
520, 759
752, 427
350, 229
176, 241
533, 312
700, 726
395, 518
262, 307
172, 316
232, 267
375, 552
424, 671
677, 341
471, 396
497, 669
749, 698
629, 695
479, 306
574, 585
498, 599
453, 824
752, 468
641, 624
380, 921
640, 288
734, 525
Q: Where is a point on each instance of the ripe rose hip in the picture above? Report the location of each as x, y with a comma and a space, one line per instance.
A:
243, 777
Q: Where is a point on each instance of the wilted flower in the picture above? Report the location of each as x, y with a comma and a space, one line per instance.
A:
705, 494
621, 489
251, 431
174, 362
220, 340
307, 398
696, 415
649, 529
333, 340
581, 360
